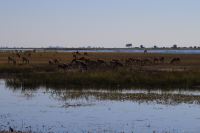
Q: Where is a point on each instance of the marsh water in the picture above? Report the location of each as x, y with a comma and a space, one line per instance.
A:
110, 50
45, 109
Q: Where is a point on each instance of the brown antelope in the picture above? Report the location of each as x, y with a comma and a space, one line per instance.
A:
56, 61
161, 59
82, 58
81, 65
11, 60
175, 60
91, 63
18, 55
155, 60
63, 66
51, 62
99, 61
116, 63
25, 60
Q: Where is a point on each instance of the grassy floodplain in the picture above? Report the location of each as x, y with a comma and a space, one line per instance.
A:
183, 74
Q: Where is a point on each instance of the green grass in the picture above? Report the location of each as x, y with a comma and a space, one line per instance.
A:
108, 79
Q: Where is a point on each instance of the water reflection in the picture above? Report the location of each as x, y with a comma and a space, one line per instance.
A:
159, 96
60, 109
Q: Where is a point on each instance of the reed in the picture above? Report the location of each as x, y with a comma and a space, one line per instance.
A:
108, 79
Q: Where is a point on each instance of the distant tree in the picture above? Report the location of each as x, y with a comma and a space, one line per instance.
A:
155, 46
129, 45
174, 46
141, 46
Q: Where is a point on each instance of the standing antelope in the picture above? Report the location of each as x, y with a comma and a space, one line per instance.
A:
11, 60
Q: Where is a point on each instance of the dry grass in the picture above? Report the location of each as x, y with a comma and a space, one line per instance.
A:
43, 57
39, 61
188, 61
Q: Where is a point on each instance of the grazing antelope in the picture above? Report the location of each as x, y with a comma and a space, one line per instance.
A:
99, 61
25, 60
63, 66
116, 63
161, 59
51, 62
74, 60
175, 60
56, 61
82, 58
91, 63
155, 60
18, 55
81, 65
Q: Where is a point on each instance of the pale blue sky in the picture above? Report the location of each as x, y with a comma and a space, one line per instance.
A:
107, 23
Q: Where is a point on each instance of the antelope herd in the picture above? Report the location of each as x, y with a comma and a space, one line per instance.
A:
84, 61
23, 57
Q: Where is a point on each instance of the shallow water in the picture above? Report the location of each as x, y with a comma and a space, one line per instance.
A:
138, 111
122, 50
165, 51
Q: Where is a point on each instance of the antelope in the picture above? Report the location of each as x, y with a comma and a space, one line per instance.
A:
101, 61
25, 60
162, 59
116, 63
18, 55
175, 60
51, 62
63, 66
155, 60
79, 64
11, 59
56, 61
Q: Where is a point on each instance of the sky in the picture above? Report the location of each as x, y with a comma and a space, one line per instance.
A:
99, 23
